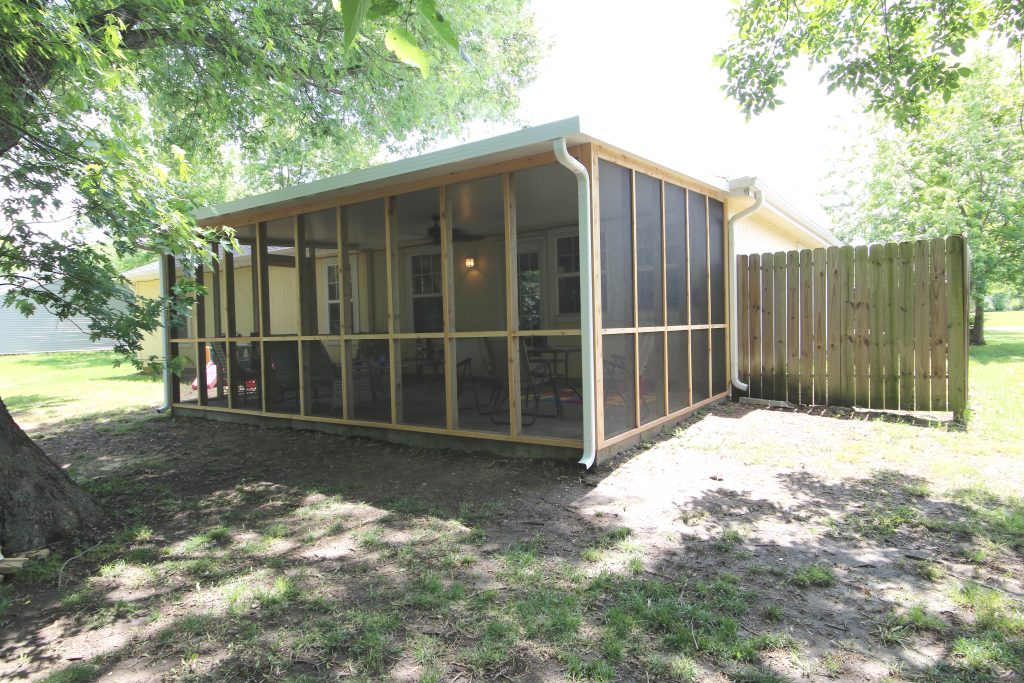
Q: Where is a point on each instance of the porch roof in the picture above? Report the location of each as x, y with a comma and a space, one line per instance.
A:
497, 149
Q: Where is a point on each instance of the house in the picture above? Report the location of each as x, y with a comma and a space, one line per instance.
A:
540, 291
44, 332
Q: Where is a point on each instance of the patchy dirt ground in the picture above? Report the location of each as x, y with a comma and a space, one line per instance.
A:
743, 547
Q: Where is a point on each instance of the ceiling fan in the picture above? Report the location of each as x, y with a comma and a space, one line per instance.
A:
458, 235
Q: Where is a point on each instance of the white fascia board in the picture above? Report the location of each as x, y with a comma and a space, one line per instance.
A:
498, 148
742, 187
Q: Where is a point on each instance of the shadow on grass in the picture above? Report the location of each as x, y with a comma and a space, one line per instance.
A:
18, 402
71, 360
1002, 347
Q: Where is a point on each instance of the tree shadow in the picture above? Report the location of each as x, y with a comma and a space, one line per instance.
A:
269, 553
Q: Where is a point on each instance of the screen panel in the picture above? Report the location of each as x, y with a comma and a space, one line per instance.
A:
648, 251
698, 258
716, 248
619, 388
652, 376
676, 277
678, 370
616, 246
700, 365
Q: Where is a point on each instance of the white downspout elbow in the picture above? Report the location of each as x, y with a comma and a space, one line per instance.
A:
165, 335
586, 299
734, 342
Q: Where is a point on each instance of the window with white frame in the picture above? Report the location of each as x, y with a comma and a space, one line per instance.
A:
425, 276
333, 299
567, 261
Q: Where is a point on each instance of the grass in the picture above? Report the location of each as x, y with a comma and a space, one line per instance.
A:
50, 388
813, 575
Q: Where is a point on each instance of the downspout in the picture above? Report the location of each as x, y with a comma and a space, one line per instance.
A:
586, 299
734, 345
165, 335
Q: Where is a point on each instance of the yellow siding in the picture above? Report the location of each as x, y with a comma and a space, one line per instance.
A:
761, 233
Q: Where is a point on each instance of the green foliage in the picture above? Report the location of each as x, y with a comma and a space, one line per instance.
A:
962, 171
898, 54
124, 117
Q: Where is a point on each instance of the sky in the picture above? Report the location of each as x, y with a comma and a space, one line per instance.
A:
644, 78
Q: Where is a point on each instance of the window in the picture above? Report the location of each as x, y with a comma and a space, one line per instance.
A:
567, 258
425, 276
333, 300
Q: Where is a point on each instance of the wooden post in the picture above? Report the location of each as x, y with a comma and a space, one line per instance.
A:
394, 359
344, 316
262, 289
451, 392
636, 311
595, 279
229, 348
299, 242
664, 304
956, 301
834, 308
508, 191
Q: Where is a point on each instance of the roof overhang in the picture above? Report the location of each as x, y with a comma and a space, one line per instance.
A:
494, 150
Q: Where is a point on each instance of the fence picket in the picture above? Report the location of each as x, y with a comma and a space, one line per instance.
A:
922, 326
890, 351
806, 332
818, 259
793, 327
875, 294
742, 319
937, 306
833, 321
754, 324
768, 326
906, 342
779, 389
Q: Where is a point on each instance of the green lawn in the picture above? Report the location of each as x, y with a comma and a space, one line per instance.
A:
1004, 319
49, 388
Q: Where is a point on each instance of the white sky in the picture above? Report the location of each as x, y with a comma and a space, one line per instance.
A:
641, 72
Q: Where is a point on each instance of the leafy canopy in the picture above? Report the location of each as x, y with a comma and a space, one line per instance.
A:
896, 52
962, 170
124, 116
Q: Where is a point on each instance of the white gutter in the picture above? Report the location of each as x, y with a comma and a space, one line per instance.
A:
586, 299
165, 336
734, 342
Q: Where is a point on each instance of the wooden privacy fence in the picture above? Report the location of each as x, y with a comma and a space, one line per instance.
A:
881, 326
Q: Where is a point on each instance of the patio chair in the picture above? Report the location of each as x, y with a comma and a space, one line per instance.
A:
323, 381
282, 373
533, 374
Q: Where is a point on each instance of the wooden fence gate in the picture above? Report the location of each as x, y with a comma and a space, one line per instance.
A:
881, 326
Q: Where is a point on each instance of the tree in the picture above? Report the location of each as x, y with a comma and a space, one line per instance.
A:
961, 170
142, 110
899, 53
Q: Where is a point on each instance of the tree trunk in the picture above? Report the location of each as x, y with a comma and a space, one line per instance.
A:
38, 501
978, 328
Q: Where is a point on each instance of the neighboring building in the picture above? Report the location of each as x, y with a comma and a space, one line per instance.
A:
43, 332
386, 302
